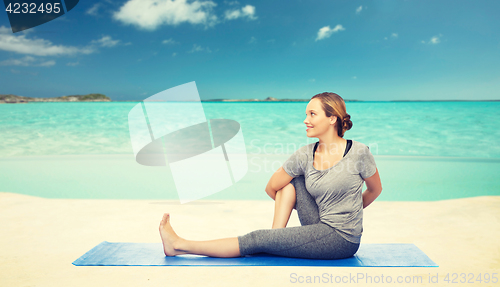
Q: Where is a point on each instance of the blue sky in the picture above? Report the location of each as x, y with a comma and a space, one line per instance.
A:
365, 50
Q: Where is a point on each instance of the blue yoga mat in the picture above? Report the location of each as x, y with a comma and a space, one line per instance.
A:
151, 254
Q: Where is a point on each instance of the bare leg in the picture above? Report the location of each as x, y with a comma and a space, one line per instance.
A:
283, 205
175, 245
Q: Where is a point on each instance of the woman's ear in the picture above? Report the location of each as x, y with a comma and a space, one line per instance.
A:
333, 120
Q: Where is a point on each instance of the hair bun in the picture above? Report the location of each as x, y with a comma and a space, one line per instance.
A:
346, 122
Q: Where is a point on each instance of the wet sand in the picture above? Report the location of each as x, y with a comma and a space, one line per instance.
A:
42, 237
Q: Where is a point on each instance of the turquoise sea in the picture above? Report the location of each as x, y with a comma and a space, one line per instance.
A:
424, 150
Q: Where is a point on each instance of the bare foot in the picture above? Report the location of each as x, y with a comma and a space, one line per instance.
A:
168, 236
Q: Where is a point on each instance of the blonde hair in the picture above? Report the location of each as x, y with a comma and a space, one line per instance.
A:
334, 105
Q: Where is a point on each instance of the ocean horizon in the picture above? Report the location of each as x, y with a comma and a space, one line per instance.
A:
448, 129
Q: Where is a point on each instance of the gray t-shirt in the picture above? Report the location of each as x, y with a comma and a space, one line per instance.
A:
337, 190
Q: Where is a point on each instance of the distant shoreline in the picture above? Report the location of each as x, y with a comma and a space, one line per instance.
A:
14, 99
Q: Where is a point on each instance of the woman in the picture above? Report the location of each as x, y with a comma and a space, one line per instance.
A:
322, 181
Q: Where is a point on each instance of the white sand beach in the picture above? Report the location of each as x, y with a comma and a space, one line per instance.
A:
42, 237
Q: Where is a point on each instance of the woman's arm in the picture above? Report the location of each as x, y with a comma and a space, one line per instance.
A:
279, 180
373, 189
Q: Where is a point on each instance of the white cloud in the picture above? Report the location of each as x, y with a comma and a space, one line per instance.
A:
326, 31
233, 14
359, 9
197, 48
37, 47
150, 14
5, 30
393, 36
231, 2
93, 10
72, 64
40, 47
169, 41
174, 54
48, 63
28, 61
434, 40
106, 41
247, 11
354, 78
252, 40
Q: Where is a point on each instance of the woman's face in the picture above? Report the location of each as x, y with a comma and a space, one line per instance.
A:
316, 120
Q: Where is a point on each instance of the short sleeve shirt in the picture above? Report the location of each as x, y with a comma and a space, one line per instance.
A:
338, 189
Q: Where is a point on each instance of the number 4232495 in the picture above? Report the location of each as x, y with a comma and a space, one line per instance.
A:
32, 8
471, 278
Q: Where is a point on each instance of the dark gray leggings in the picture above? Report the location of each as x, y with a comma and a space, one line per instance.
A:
313, 240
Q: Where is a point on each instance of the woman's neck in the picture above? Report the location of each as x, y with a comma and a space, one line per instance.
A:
331, 146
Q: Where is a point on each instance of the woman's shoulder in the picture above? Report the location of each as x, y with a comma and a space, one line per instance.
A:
359, 146
305, 149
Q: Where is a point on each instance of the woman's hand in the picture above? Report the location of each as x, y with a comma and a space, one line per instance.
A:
278, 180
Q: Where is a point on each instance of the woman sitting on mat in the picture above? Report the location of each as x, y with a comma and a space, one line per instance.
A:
323, 181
